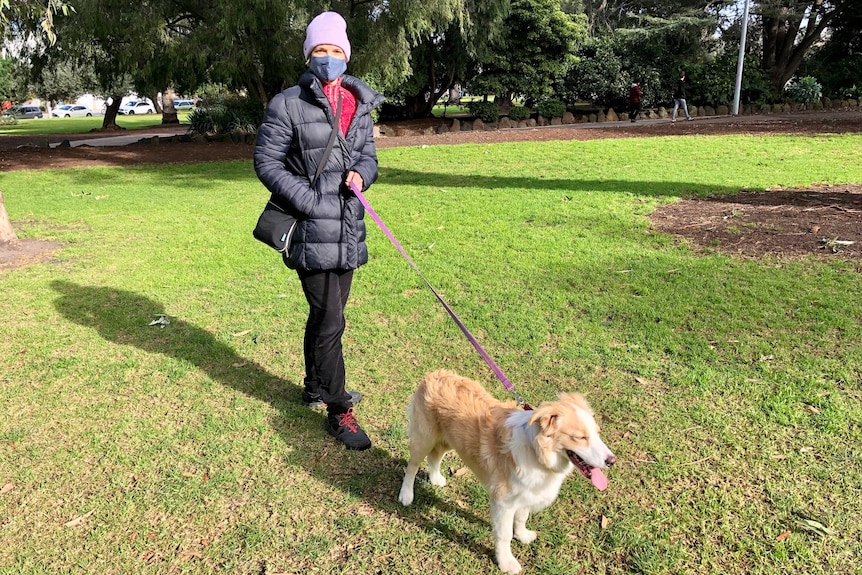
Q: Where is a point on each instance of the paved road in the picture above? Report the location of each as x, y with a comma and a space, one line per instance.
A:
57, 139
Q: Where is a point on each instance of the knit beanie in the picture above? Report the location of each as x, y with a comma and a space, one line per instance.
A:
326, 28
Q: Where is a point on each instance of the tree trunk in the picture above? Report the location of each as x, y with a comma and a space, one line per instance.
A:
7, 234
110, 121
169, 113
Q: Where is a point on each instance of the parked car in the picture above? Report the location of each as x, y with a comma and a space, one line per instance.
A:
137, 107
23, 112
183, 105
71, 111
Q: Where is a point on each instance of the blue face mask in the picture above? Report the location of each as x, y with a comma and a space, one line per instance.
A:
327, 68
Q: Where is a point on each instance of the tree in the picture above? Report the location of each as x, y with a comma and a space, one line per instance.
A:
8, 11
837, 64
534, 53
443, 59
41, 10
789, 30
7, 82
117, 39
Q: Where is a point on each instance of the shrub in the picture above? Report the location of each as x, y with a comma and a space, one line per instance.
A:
551, 108
485, 111
804, 90
518, 113
225, 115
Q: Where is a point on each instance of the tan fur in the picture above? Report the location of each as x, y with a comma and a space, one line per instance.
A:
468, 419
520, 457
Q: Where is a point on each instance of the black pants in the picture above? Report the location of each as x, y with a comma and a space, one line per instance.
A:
326, 293
634, 110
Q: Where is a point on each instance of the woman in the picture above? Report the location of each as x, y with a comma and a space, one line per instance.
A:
328, 242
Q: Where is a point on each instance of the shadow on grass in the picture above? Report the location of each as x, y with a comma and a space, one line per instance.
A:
484, 184
218, 175
373, 476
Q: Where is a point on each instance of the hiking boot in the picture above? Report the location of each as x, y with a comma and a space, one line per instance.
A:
345, 429
313, 400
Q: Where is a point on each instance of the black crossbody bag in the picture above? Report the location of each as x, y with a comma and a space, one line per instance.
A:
275, 227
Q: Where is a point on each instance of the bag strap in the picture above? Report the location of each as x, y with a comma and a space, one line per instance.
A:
329, 144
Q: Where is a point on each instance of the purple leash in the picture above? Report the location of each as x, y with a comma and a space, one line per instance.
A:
494, 367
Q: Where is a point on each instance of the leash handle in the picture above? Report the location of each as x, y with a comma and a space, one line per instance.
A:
488, 360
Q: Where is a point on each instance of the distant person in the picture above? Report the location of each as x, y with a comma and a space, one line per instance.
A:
679, 99
635, 97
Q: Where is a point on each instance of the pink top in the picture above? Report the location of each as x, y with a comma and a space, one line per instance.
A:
348, 103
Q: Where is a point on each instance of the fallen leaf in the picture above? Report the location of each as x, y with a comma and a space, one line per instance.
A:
133, 536
241, 333
188, 474
7, 488
243, 364
806, 450
641, 381
79, 520
812, 409
783, 535
814, 527
605, 522
457, 472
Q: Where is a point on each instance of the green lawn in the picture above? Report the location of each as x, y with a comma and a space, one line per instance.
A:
82, 125
729, 389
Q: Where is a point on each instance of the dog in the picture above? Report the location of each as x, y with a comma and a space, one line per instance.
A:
521, 457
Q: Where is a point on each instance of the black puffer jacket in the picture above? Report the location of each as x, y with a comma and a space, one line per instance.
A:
330, 231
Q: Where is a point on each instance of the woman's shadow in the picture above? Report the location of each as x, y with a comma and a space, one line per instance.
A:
123, 317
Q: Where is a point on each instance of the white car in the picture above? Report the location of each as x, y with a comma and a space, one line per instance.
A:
183, 105
137, 107
71, 111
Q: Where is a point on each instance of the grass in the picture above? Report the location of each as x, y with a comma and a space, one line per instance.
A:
82, 125
729, 389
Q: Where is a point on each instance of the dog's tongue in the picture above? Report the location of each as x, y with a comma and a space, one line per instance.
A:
598, 478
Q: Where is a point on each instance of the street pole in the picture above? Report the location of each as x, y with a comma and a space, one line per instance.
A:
738, 87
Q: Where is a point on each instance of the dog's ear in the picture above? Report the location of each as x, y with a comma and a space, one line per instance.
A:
576, 399
547, 415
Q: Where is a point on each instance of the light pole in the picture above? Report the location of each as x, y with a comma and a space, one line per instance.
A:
738, 87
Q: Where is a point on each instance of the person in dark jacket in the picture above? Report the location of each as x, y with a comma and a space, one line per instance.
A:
327, 242
635, 95
679, 99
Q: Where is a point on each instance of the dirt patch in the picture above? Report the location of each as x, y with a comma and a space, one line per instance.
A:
20, 253
785, 223
823, 222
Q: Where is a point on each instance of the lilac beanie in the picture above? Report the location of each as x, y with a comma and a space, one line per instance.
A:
326, 28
